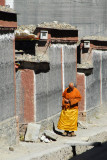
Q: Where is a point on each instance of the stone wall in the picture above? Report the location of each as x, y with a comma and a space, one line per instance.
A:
70, 67
93, 84
8, 126
48, 88
7, 81
47, 82
104, 79
19, 98
88, 15
9, 131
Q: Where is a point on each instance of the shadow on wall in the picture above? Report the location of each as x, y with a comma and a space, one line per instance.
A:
38, 67
97, 153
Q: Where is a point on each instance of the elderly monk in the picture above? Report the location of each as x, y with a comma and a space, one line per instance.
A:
69, 114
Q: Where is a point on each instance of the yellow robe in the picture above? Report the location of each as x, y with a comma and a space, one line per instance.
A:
69, 114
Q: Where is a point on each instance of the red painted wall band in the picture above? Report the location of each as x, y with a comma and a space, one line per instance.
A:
2, 2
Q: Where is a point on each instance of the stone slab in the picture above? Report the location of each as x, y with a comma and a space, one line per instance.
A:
50, 134
32, 132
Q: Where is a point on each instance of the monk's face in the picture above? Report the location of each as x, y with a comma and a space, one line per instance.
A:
71, 86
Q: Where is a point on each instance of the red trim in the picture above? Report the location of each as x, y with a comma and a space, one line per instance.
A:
27, 89
2, 2
8, 24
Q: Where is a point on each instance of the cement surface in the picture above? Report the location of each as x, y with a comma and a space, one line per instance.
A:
95, 132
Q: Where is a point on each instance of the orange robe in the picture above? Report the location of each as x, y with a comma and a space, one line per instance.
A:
69, 114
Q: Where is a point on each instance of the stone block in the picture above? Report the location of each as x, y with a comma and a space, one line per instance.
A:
32, 132
82, 125
50, 134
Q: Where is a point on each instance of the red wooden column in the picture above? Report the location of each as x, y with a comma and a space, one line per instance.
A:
27, 83
81, 87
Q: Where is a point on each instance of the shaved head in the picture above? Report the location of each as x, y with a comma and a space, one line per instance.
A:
71, 86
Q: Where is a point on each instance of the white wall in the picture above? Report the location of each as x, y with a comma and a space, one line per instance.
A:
10, 2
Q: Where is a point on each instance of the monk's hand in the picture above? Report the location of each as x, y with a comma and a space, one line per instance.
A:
66, 101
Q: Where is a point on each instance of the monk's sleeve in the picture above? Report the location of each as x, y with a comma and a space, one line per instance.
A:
76, 98
63, 97
64, 93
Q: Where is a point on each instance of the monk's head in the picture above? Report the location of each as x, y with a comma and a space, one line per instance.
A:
71, 86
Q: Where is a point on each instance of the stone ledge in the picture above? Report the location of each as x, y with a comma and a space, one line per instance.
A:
9, 131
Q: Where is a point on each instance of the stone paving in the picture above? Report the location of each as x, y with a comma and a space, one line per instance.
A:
61, 149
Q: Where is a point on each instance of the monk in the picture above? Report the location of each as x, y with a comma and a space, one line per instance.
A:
69, 114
